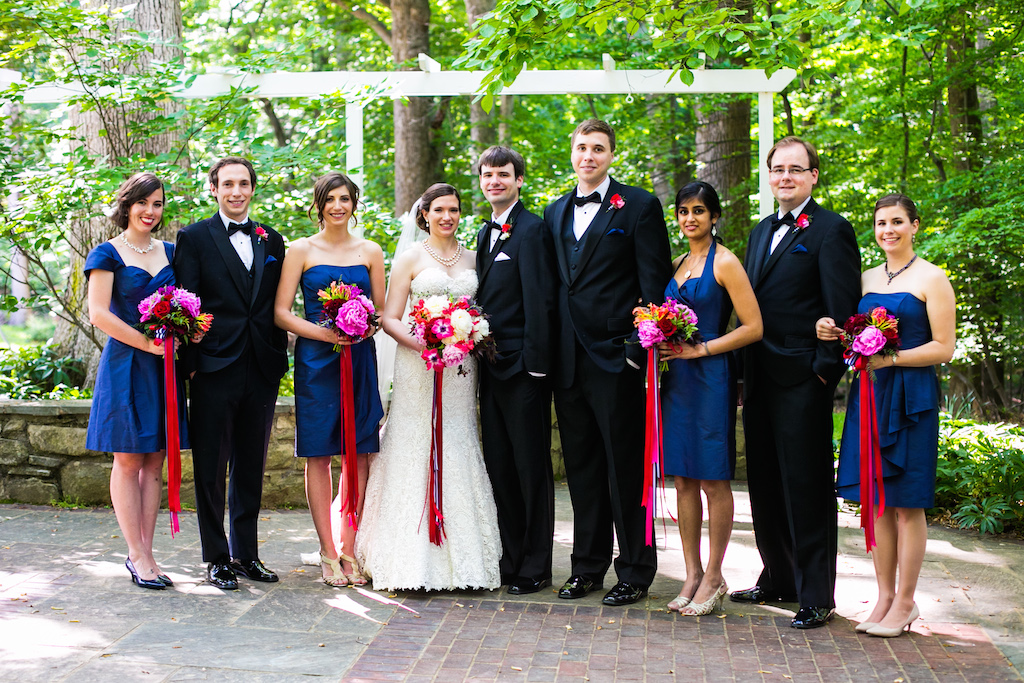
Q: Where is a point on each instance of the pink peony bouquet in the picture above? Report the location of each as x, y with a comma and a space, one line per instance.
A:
670, 322
866, 334
451, 329
173, 311
347, 311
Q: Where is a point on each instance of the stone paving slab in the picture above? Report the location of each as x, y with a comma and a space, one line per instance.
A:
68, 612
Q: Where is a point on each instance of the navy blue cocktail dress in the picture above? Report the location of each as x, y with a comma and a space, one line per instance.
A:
127, 414
698, 397
907, 403
318, 375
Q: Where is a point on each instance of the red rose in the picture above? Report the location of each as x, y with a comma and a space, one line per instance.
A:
162, 309
666, 326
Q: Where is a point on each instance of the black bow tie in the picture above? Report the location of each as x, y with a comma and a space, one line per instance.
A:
592, 197
245, 227
787, 219
490, 225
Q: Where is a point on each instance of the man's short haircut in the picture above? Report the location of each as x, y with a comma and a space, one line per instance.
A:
498, 156
227, 161
788, 141
594, 126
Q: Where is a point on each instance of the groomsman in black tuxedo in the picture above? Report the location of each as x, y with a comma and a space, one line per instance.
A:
233, 264
515, 262
804, 264
613, 255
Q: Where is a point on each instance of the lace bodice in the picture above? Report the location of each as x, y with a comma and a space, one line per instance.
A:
433, 281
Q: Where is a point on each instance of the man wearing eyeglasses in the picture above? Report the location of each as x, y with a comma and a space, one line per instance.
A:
804, 263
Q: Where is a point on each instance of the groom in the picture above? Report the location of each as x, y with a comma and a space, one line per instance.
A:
613, 254
233, 265
515, 261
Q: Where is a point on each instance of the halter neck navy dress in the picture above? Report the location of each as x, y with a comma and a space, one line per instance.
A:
318, 375
907, 404
127, 414
698, 397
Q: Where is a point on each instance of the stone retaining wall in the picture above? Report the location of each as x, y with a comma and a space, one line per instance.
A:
43, 457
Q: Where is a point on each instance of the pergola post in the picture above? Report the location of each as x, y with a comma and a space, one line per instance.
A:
354, 142
765, 140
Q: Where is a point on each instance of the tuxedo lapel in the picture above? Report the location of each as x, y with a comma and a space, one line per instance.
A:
259, 251
597, 228
785, 243
499, 244
563, 215
758, 248
232, 263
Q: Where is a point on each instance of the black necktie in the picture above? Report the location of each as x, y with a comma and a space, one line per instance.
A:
592, 197
787, 219
245, 227
492, 224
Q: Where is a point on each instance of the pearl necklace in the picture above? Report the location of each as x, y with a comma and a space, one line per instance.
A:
446, 262
152, 243
892, 275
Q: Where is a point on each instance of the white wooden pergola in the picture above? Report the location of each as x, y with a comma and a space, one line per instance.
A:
357, 87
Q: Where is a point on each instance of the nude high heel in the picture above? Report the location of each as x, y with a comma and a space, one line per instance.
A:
883, 632
865, 626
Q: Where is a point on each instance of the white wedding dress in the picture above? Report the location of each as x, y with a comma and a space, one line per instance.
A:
393, 544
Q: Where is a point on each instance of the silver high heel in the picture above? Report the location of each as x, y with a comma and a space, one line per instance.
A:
708, 606
883, 632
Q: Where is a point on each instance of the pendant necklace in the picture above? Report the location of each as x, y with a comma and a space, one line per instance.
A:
892, 275
134, 248
686, 275
446, 262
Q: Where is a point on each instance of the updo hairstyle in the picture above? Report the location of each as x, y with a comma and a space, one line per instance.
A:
433, 192
327, 184
139, 186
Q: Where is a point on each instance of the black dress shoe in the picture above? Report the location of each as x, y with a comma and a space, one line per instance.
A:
758, 594
527, 586
220, 575
624, 593
253, 569
813, 617
576, 587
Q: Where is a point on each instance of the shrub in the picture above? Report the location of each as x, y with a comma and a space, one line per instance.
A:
980, 477
39, 372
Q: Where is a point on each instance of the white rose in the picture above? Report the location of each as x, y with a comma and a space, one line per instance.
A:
481, 329
462, 323
435, 305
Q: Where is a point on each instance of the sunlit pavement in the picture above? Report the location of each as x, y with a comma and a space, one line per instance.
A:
68, 611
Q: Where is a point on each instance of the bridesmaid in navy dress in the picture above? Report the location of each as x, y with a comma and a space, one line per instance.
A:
698, 393
127, 415
333, 254
907, 400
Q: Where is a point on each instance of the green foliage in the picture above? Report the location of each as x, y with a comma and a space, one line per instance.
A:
39, 372
980, 478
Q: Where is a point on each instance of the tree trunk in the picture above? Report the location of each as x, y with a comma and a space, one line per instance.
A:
964, 112
414, 157
104, 131
723, 161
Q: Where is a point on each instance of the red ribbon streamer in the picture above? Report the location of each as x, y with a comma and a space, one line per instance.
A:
348, 483
870, 456
433, 503
173, 437
652, 444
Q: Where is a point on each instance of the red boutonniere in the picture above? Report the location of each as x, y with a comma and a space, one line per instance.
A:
617, 202
260, 233
802, 221
506, 230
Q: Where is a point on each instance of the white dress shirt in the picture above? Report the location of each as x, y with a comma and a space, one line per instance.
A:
240, 241
583, 216
783, 229
500, 220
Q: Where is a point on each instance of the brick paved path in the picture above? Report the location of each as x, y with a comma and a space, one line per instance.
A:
448, 639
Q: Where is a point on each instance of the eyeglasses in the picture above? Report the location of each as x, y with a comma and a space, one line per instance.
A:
778, 172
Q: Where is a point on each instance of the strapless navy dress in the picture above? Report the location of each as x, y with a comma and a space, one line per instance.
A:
698, 397
907, 402
318, 376
127, 414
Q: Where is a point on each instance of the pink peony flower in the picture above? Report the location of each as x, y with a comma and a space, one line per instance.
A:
352, 319
189, 301
454, 355
869, 342
365, 302
649, 333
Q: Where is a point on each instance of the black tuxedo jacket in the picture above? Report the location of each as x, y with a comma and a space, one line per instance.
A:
517, 292
242, 305
814, 272
622, 261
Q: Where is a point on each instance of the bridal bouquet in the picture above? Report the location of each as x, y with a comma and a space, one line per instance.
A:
451, 329
173, 311
347, 311
670, 322
866, 334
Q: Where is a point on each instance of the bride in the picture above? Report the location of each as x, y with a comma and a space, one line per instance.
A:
393, 543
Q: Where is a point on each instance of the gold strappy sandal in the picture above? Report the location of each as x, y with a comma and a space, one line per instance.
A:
356, 578
337, 578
